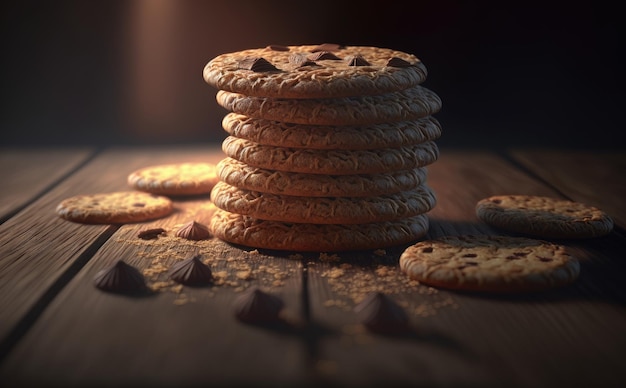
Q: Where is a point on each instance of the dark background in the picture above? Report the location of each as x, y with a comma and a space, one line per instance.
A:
130, 72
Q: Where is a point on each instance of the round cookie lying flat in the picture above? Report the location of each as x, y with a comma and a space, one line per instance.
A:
409, 104
544, 217
314, 71
244, 176
329, 137
499, 264
251, 232
114, 208
175, 179
323, 210
332, 162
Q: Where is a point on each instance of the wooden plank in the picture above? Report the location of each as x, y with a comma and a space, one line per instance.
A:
37, 247
462, 339
177, 336
27, 172
569, 336
596, 178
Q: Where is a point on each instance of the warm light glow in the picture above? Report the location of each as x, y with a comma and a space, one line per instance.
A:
155, 88
168, 43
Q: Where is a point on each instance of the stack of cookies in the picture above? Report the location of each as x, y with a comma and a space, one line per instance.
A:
327, 150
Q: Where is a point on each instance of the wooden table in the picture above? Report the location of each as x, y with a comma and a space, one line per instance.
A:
57, 329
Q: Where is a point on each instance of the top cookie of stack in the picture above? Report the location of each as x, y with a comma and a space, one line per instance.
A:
328, 147
322, 71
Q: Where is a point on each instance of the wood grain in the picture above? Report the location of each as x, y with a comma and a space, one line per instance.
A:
38, 248
178, 336
596, 178
26, 172
72, 334
457, 338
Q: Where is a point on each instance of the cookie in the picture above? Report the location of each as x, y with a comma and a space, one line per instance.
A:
175, 179
241, 175
314, 71
409, 104
244, 230
499, 264
332, 162
114, 208
544, 217
323, 210
330, 137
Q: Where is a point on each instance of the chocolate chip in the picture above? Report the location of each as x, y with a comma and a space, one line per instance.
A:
256, 306
327, 47
120, 278
194, 231
357, 60
322, 55
381, 314
150, 234
191, 272
277, 47
398, 62
256, 64
300, 60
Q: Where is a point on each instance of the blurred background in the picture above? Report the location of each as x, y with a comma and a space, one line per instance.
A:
130, 72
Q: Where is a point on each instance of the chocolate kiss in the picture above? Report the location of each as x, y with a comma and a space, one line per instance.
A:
381, 314
120, 278
256, 306
194, 231
191, 271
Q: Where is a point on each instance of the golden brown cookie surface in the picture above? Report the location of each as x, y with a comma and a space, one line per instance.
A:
332, 162
499, 264
409, 104
248, 231
247, 177
383, 135
544, 217
314, 71
175, 179
114, 208
323, 210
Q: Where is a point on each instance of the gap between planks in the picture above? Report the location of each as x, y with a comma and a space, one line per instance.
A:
458, 190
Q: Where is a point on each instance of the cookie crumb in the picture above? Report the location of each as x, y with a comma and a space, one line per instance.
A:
325, 257
334, 273
244, 275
